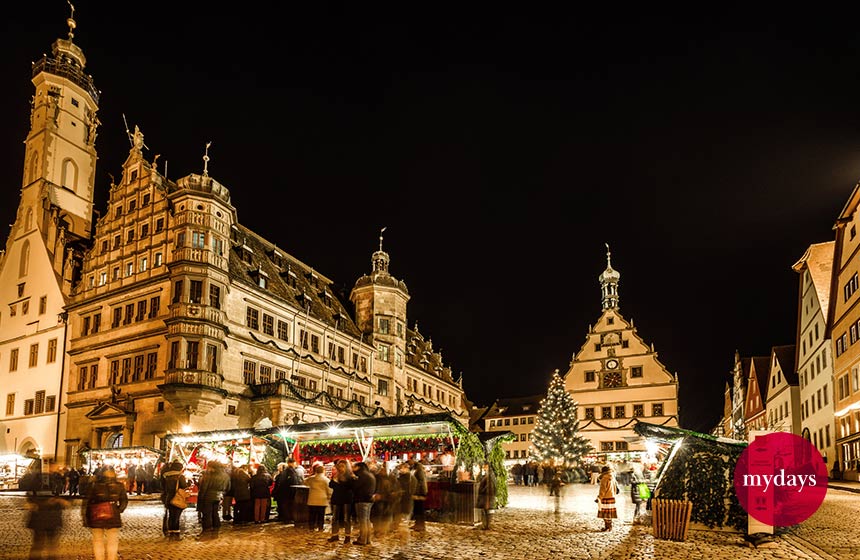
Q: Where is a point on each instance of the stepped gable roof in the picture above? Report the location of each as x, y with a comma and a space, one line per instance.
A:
420, 354
762, 371
281, 269
786, 356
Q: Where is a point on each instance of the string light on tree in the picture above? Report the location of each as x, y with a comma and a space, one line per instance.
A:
556, 436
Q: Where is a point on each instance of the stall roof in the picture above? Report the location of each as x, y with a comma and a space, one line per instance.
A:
417, 424
670, 434
124, 449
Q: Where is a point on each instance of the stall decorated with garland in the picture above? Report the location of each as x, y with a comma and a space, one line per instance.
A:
699, 469
120, 458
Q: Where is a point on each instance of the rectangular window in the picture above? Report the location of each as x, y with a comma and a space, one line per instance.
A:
638, 410
154, 304
215, 296
177, 291
114, 372
43, 305
94, 376
82, 378
620, 446
198, 240
13, 359
129, 236
85, 328
159, 224
10, 404
606, 412
180, 239
341, 354
192, 354
382, 388
383, 326
250, 372
126, 371
116, 241
252, 318
52, 351
268, 324
283, 330
280, 375
606, 446
25, 307
597, 349
158, 260
516, 421
657, 409
28, 407
174, 355
195, 291
589, 377
129, 314
40, 402
620, 411
141, 310
303, 336
117, 317
144, 230
363, 364
331, 350
145, 201
144, 263
212, 357
383, 352
34, 355
265, 374
151, 365
315, 344
137, 374
636, 371
97, 322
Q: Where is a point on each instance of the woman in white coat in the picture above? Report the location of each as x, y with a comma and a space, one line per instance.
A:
319, 494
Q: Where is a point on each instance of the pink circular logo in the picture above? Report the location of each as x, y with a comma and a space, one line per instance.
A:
780, 479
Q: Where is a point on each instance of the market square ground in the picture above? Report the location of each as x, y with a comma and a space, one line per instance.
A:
533, 526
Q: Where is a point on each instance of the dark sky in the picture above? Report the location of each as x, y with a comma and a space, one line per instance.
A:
501, 149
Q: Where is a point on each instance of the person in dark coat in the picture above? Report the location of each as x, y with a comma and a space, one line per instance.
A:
46, 522
240, 483
341, 483
74, 478
259, 490
420, 495
213, 484
285, 491
383, 499
486, 495
102, 510
363, 490
171, 479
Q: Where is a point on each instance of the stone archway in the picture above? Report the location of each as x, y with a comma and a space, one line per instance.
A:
29, 448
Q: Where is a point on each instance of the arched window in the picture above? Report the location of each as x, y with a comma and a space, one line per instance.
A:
70, 175
25, 260
114, 440
28, 219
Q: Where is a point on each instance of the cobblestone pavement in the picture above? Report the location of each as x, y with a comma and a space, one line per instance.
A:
534, 526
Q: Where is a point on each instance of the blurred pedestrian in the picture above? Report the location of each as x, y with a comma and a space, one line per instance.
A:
487, 494
407, 485
555, 483
341, 483
240, 487
383, 499
285, 491
213, 484
74, 478
319, 494
102, 510
418, 514
172, 479
365, 487
46, 522
260, 494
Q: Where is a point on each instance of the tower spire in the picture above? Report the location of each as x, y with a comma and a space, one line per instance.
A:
71, 21
380, 258
609, 279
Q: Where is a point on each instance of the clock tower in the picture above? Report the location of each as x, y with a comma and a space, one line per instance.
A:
617, 379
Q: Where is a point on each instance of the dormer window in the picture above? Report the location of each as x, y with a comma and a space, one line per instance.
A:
304, 299
133, 177
326, 297
313, 278
246, 253
262, 278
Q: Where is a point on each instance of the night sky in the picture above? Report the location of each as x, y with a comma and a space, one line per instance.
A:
501, 149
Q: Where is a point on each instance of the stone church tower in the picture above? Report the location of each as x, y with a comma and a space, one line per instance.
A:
43, 251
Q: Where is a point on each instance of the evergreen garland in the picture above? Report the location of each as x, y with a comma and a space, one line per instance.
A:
497, 461
556, 435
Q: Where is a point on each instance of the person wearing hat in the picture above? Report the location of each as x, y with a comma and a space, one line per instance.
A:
606, 498
105, 501
172, 479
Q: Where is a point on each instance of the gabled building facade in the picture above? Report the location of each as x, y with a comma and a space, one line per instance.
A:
615, 377
815, 349
844, 321
42, 253
756, 394
517, 415
783, 393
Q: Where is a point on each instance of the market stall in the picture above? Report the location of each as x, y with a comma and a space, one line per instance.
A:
121, 458
12, 467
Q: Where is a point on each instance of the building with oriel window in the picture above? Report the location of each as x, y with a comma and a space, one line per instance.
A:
616, 378
38, 266
168, 313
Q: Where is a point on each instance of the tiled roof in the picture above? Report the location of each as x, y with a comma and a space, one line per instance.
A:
420, 354
761, 363
516, 406
785, 355
310, 286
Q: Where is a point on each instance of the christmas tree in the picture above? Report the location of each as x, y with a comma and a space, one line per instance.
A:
556, 435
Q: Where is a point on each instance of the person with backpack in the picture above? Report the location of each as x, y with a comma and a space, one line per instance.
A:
172, 479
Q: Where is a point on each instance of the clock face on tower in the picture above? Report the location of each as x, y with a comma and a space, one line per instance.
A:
612, 379
611, 364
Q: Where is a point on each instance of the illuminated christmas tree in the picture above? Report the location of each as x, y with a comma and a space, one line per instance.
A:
556, 435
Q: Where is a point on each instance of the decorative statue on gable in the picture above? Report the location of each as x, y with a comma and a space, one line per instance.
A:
138, 138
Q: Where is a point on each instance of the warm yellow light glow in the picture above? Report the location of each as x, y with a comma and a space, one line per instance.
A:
186, 429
